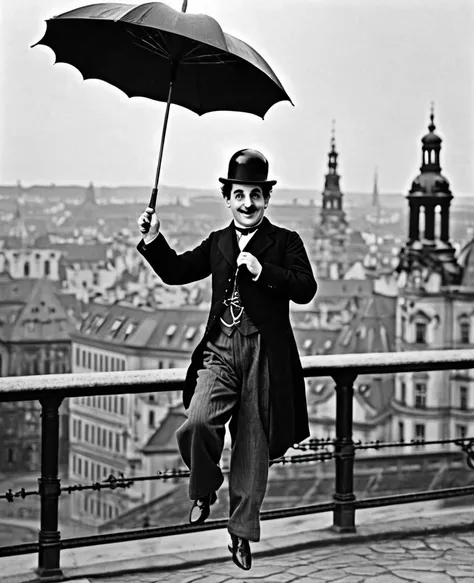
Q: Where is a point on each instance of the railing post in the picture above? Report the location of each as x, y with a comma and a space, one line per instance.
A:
344, 514
49, 488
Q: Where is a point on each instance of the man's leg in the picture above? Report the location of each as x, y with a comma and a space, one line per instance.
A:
201, 437
250, 458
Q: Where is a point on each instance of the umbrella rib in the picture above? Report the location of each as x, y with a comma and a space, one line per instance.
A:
149, 44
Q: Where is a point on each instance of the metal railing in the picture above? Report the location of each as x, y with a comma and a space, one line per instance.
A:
50, 390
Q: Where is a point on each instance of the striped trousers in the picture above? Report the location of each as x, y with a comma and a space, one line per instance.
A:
232, 385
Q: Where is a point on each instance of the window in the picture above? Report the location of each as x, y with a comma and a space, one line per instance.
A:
420, 395
101, 363
111, 440
151, 418
461, 431
92, 433
95, 361
86, 468
115, 404
463, 390
403, 393
47, 268
89, 360
78, 356
117, 442
122, 405
86, 432
79, 466
84, 359
129, 330
117, 323
170, 331
74, 464
420, 333
403, 327
401, 431
465, 332
190, 332
420, 432
79, 430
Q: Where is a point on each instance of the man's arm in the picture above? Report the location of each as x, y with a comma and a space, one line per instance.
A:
177, 269
295, 277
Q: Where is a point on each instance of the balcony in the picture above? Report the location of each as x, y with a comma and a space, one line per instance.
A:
51, 390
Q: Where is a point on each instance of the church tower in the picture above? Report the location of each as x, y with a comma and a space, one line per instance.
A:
434, 310
427, 260
330, 235
332, 212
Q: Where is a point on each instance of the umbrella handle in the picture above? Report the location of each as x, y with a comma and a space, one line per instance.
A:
154, 192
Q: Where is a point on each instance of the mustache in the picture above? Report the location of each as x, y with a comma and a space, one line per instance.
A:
249, 210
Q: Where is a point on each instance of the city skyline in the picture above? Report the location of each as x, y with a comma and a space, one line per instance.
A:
345, 63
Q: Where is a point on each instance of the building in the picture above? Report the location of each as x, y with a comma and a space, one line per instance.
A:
335, 246
35, 331
434, 309
116, 434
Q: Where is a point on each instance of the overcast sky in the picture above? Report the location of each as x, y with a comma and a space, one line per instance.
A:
373, 65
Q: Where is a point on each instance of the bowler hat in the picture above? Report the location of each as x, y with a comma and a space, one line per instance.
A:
248, 167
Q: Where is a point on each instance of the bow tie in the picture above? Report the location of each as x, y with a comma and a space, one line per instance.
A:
246, 230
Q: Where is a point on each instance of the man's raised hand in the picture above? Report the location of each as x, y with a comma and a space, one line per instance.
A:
252, 263
149, 225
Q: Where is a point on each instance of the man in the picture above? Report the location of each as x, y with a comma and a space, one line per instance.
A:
246, 369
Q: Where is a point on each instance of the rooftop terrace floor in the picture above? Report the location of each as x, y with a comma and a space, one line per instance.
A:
417, 542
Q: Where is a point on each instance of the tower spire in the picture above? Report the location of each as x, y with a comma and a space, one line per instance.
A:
432, 126
375, 191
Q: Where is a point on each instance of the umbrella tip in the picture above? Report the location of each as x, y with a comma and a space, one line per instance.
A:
184, 6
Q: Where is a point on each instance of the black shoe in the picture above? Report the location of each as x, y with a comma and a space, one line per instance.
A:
201, 508
241, 554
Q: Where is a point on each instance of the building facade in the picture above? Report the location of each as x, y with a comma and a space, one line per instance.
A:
434, 310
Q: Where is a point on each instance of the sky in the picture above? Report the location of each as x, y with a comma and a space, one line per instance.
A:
372, 65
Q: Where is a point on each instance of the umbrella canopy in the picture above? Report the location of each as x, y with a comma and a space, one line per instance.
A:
151, 50
140, 49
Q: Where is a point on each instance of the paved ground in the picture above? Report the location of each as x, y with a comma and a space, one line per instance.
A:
431, 559
418, 543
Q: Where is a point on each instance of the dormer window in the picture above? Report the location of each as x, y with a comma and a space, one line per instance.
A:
170, 331
117, 323
190, 333
130, 329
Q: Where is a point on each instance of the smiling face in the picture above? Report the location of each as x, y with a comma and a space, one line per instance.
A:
247, 203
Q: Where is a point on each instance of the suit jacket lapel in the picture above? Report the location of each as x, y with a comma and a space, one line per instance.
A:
262, 239
228, 244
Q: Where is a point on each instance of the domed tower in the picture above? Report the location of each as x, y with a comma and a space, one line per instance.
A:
428, 255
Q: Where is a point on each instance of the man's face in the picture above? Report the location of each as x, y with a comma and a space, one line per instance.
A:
247, 204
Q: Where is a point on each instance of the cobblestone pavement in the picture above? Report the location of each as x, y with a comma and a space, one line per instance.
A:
429, 559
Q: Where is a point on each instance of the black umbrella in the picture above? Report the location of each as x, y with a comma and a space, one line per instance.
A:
151, 50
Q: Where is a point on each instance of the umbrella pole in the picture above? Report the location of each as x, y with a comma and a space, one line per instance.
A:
154, 192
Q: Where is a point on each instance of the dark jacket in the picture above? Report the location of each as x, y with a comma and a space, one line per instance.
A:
286, 275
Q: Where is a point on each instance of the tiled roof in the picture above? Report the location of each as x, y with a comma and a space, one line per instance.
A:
372, 328
173, 329
165, 436
73, 252
32, 312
